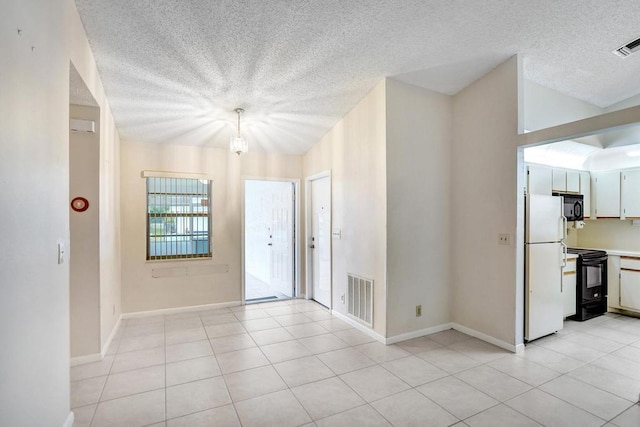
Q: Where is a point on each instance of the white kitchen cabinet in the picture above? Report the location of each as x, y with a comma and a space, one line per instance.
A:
585, 190
573, 181
630, 283
613, 281
559, 179
569, 286
539, 180
607, 194
630, 194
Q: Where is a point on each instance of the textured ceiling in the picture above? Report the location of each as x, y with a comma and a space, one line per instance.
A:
175, 70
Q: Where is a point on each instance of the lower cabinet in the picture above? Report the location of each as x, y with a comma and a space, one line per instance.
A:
613, 281
569, 287
630, 283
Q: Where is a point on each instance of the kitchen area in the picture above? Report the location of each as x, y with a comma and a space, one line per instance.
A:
582, 234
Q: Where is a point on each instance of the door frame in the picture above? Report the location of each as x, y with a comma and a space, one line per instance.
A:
308, 232
296, 231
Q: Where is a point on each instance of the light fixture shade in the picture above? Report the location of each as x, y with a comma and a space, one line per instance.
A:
238, 145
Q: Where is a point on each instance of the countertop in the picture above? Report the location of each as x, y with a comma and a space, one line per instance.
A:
617, 252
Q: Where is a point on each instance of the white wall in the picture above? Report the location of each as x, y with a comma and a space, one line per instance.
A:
142, 292
34, 167
354, 150
484, 203
34, 172
418, 150
545, 107
84, 247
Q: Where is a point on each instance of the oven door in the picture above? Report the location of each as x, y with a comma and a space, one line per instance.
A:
594, 280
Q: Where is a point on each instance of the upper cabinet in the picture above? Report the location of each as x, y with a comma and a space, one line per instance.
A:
546, 180
565, 180
607, 194
539, 180
630, 194
585, 190
559, 179
573, 181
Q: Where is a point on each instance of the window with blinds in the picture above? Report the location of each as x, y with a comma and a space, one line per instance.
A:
179, 220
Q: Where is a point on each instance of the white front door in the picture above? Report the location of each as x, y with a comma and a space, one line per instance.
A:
319, 242
281, 238
269, 224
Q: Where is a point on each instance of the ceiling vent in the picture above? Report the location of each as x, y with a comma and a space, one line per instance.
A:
628, 49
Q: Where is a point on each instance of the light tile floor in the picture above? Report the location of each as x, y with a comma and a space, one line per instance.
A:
291, 363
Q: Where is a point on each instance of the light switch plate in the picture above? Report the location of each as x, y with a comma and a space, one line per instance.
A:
61, 251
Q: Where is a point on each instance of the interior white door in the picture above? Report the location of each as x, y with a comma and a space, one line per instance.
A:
544, 312
281, 237
319, 242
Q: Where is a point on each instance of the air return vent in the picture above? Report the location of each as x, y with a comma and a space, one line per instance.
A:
360, 299
628, 49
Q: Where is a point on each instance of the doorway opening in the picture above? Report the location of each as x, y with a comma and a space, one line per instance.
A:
318, 220
270, 234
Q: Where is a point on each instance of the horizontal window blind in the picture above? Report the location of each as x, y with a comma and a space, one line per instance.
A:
179, 220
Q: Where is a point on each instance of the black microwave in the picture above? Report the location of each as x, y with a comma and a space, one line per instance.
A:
573, 206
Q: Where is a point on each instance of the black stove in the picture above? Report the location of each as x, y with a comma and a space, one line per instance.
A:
591, 283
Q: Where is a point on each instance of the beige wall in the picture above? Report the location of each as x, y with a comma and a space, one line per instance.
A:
484, 203
354, 151
610, 234
418, 150
142, 292
84, 247
34, 171
82, 58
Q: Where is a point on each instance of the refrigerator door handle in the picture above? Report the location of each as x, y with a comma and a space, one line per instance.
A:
564, 228
564, 254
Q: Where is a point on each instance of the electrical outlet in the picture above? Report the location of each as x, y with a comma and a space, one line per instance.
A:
342, 298
504, 239
418, 310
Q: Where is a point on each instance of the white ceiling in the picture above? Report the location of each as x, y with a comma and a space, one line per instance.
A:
175, 70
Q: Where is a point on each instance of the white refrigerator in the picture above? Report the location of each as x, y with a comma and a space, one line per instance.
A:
545, 256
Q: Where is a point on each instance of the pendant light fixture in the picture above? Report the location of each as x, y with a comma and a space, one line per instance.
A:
238, 144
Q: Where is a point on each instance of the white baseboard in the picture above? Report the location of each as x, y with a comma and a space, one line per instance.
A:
419, 333
69, 421
488, 338
428, 331
89, 358
176, 310
373, 334
113, 333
